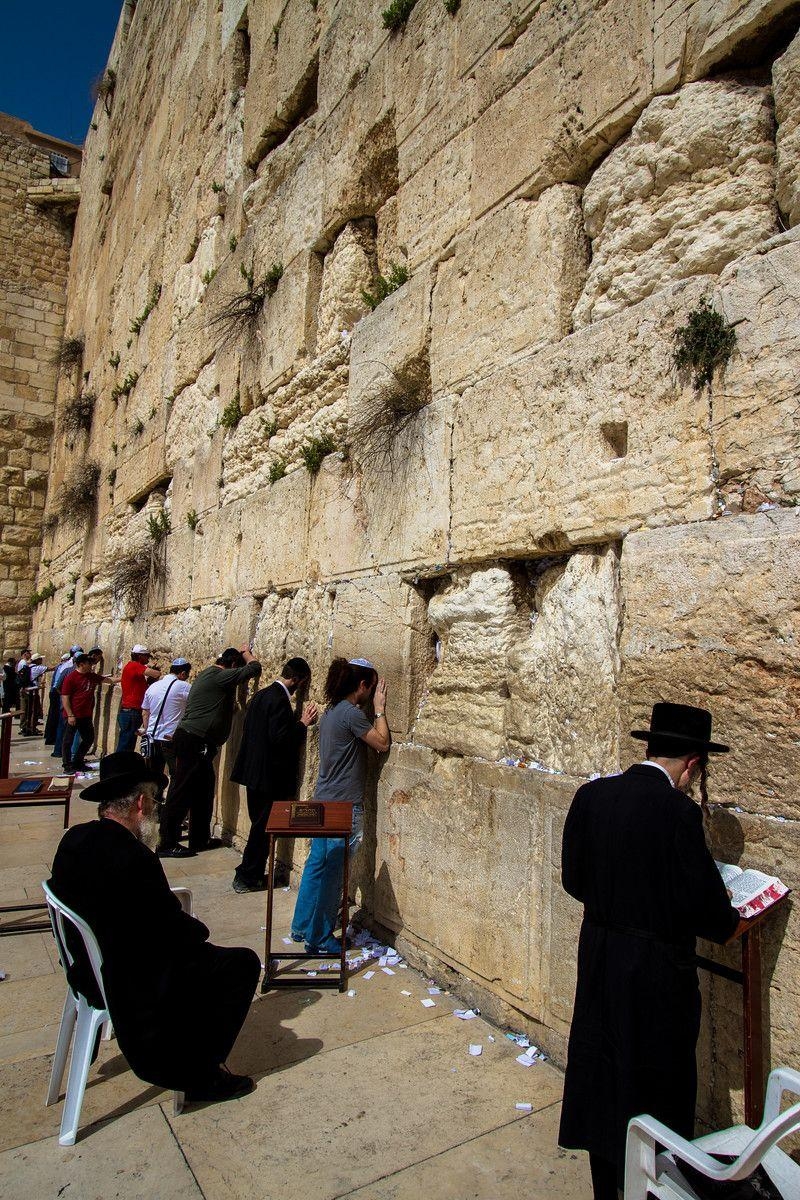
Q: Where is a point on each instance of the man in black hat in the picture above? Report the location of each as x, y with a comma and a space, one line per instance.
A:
176, 1001
635, 855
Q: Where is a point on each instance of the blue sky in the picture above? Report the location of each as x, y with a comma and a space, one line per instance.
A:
50, 51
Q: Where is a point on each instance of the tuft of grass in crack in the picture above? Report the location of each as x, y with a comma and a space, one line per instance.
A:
385, 285
704, 344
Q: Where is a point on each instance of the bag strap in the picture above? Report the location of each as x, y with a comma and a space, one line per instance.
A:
160, 711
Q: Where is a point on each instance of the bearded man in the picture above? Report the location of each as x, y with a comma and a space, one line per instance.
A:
635, 855
177, 1002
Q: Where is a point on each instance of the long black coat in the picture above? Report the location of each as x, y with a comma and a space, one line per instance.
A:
635, 855
272, 738
162, 977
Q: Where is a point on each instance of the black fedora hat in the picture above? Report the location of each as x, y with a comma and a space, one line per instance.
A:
120, 773
681, 724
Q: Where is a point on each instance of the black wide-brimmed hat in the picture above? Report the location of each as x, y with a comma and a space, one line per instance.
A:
119, 774
682, 725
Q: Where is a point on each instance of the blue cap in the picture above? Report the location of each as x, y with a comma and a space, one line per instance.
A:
361, 662
180, 662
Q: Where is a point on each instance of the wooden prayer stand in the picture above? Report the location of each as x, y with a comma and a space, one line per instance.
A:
337, 822
40, 799
5, 741
749, 978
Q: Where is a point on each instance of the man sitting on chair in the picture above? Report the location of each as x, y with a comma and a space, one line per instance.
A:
176, 1001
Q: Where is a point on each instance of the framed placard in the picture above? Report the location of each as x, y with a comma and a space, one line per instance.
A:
304, 815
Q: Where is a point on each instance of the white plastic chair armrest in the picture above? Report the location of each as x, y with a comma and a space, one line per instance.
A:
185, 897
782, 1079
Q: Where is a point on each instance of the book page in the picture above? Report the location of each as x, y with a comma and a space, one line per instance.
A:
728, 872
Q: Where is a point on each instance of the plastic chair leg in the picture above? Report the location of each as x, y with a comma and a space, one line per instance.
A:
178, 1101
109, 1031
89, 1020
66, 1028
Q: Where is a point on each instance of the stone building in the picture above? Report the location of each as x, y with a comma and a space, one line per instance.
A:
38, 199
494, 481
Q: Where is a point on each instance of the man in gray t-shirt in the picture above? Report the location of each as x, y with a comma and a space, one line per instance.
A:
342, 754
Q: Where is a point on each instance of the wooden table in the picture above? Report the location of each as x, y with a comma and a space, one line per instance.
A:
39, 799
749, 979
337, 822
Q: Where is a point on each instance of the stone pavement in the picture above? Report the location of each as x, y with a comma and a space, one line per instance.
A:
374, 1096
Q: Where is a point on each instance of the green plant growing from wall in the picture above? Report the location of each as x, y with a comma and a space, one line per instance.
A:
114, 360
704, 344
396, 15
192, 519
47, 592
114, 448
277, 470
70, 353
315, 450
158, 526
137, 428
207, 276
78, 494
155, 295
78, 414
385, 285
112, 477
105, 87
239, 313
217, 187
126, 387
233, 242
452, 6
231, 413
270, 427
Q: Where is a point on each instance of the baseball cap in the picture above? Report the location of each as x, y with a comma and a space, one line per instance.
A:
65, 656
137, 649
36, 657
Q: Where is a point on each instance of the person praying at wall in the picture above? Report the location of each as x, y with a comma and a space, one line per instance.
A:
344, 734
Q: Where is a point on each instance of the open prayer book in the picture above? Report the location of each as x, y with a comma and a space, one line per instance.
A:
752, 891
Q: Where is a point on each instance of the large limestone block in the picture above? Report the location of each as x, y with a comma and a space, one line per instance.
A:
433, 204
348, 45
712, 618
285, 201
465, 868
284, 331
337, 542
582, 442
422, 66
194, 415
381, 618
347, 272
389, 346
180, 566
786, 86
216, 555
554, 124
297, 623
284, 62
476, 620
562, 681
274, 525
139, 472
756, 399
690, 190
509, 287
196, 633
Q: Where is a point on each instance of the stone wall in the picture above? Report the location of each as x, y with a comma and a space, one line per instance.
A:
494, 482
34, 258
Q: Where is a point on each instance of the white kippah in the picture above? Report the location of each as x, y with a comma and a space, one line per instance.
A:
361, 662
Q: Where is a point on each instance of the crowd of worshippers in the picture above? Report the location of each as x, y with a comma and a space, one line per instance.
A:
634, 855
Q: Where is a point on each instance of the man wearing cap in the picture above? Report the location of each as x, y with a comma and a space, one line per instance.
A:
31, 704
205, 726
635, 855
77, 700
267, 762
61, 672
177, 1002
162, 708
136, 676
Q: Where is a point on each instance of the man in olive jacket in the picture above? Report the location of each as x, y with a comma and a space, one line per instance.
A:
177, 1001
635, 855
205, 726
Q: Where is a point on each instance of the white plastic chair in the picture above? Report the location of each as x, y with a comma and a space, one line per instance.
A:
80, 1017
660, 1176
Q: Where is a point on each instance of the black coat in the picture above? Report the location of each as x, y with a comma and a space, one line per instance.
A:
635, 855
155, 956
272, 738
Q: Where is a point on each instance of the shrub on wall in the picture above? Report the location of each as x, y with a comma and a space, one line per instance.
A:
79, 494
704, 344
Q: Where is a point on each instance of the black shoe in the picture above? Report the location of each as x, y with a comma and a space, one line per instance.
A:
282, 877
211, 844
240, 886
223, 1086
175, 852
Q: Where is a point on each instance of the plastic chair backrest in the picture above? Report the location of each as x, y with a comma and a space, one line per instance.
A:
59, 913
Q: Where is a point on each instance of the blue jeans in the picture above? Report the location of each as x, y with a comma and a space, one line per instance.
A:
128, 721
320, 889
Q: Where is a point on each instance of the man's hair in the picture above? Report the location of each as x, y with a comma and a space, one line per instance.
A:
231, 658
669, 748
296, 668
81, 658
344, 677
124, 802
177, 670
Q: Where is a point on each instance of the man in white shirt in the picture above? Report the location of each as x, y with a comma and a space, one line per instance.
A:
162, 709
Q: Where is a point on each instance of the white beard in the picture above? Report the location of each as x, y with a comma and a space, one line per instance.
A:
148, 832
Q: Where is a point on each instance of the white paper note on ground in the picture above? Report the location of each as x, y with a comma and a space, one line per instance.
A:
428, 1003
523, 1107
368, 974
476, 1050
387, 970
405, 993
464, 1014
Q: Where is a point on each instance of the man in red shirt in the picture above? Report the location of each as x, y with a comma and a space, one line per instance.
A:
136, 678
77, 700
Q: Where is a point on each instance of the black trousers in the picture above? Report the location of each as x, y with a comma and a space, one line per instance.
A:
604, 1178
254, 860
84, 728
191, 790
183, 1046
51, 724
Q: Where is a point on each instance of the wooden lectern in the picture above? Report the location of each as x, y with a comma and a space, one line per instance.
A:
59, 796
336, 822
749, 979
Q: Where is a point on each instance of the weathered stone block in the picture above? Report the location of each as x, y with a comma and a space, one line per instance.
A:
509, 287
688, 191
348, 271
274, 524
216, 554
711, 618
579, 443
786, 86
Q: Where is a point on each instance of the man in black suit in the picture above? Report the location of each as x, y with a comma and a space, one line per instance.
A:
176, 1001
635, 855
267, 762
